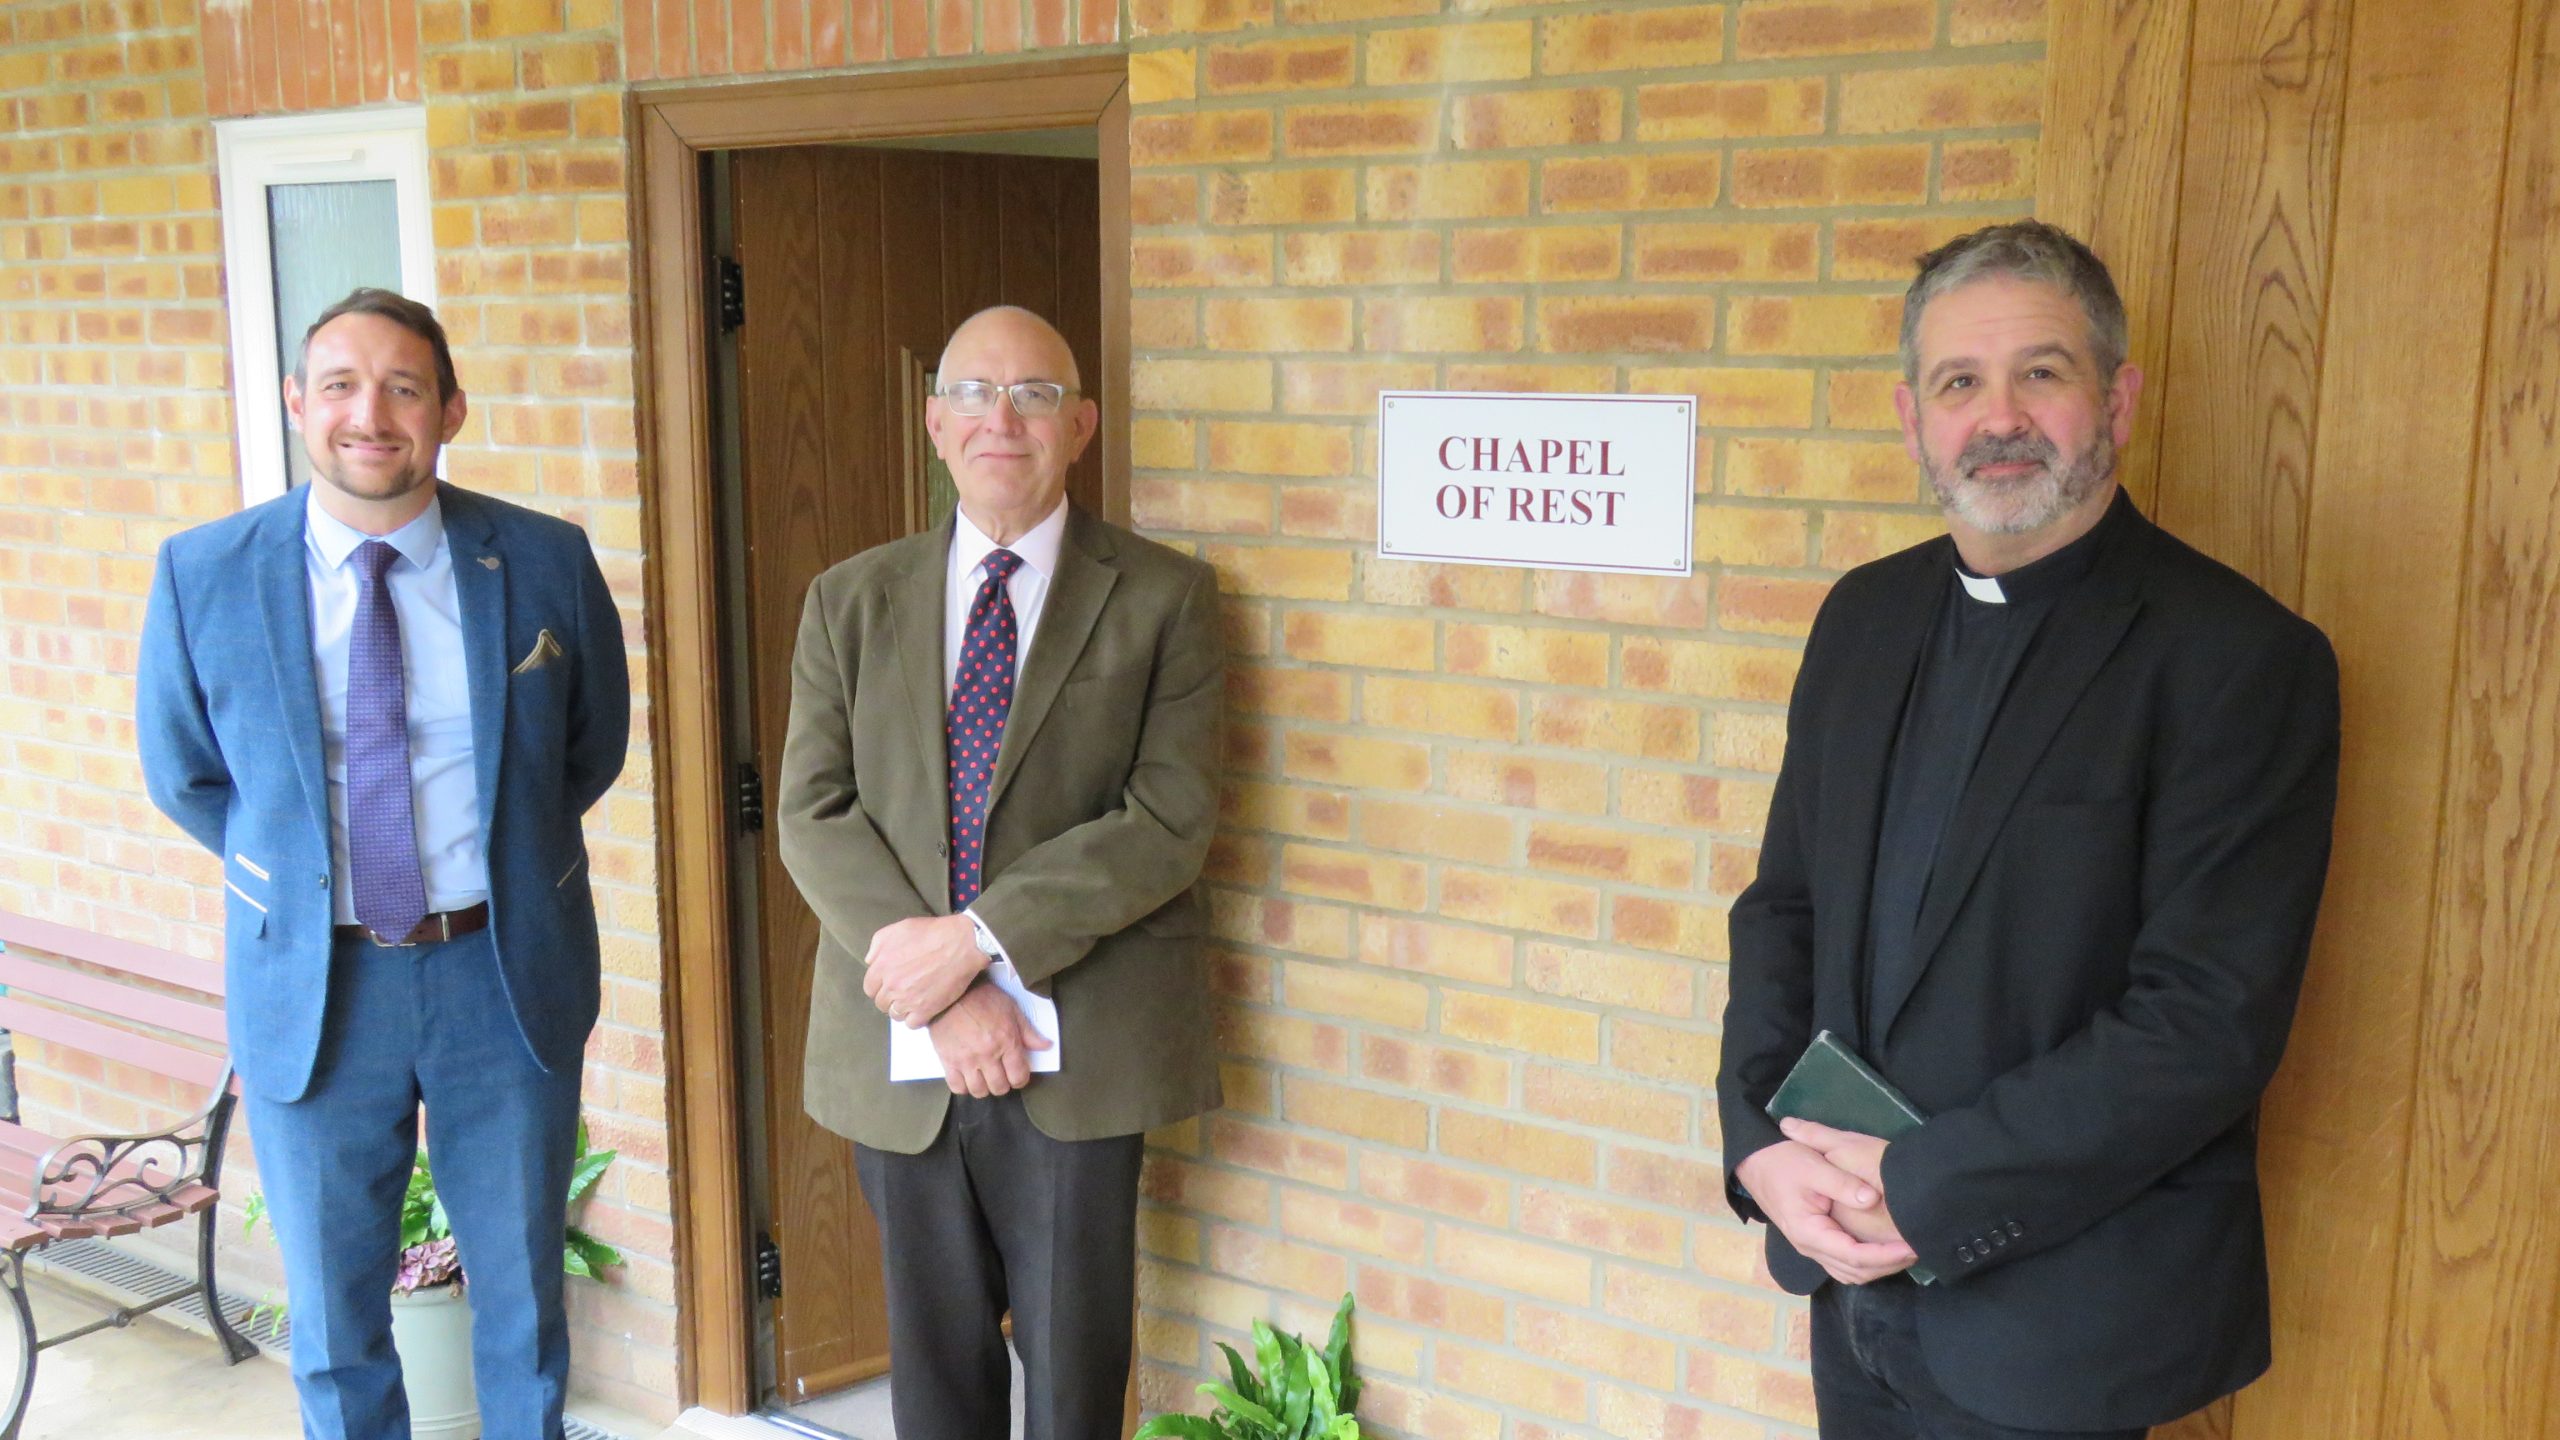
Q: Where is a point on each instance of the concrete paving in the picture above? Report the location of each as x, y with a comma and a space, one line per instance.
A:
149, 1381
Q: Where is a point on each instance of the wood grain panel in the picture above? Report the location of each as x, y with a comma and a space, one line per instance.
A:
2408, 297
2473, 1351
2255, 216
673, 128
972, 235
859, 262
796, 527
864, 438
687, 748
911, 246
2114, 99
1027, 248
2238, 395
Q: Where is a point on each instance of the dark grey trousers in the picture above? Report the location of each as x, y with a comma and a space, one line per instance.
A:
1870, 1381
994, 1216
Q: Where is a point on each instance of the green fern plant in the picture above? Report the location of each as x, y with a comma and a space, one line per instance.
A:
428, 1256
1303, 1393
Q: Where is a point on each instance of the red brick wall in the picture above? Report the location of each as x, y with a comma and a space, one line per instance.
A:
673, 39
280, 57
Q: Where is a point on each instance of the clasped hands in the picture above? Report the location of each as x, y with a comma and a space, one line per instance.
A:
929, 971
1824, 1190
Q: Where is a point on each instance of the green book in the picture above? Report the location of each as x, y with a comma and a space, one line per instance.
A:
1831, 1086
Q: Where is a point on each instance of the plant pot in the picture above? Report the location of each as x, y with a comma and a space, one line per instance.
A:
431, 1328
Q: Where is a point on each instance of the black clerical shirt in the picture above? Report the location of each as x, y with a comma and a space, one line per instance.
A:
1983, 630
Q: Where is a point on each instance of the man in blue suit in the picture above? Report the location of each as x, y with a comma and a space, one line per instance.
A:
385, 702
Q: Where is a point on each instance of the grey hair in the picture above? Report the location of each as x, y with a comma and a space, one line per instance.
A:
2021, 250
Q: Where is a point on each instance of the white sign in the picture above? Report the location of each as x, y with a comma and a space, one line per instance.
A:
1566, 482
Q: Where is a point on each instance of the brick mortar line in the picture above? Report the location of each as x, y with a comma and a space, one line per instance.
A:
1429, 1339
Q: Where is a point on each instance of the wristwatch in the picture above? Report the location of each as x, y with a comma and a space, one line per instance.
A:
985, 938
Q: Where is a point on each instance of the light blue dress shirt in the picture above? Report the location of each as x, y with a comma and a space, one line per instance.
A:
443, 786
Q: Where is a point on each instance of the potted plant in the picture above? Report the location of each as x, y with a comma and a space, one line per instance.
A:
1302, 1393
430, 1317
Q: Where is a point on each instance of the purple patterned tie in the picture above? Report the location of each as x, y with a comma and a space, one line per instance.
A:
382, 832
973, 730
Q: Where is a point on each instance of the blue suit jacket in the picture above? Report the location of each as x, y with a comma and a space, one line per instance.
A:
228, 721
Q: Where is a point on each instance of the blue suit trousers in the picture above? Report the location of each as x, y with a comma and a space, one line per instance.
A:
426, 1024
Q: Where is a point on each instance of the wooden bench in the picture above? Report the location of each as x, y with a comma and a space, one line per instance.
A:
82, 1187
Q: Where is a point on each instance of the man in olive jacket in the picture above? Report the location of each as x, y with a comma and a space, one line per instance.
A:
1001, 767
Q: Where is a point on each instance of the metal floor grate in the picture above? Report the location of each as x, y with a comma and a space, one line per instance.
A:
136, 1277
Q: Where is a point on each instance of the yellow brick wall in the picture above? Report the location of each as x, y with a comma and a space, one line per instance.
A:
116, 431
1483, 824
524, 107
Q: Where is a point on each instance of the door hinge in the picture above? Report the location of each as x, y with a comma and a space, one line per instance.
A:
750, 796
768, 1267
733, 295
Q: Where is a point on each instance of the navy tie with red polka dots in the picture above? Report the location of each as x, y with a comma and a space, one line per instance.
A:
973, 729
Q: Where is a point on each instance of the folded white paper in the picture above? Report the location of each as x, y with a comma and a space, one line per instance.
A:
911, 1052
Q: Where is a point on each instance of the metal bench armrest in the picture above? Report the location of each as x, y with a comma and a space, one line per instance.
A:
95, 1175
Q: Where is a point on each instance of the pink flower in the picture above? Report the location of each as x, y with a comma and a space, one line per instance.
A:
428, 1263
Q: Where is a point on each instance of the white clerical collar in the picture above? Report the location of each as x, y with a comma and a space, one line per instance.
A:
1984, 588
335, 539
1038, 546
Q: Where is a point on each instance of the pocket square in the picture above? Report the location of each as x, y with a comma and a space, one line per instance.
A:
545, 650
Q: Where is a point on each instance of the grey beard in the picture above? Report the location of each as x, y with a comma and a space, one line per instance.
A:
2020, 506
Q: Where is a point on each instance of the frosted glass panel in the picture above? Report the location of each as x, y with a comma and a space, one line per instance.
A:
328, 239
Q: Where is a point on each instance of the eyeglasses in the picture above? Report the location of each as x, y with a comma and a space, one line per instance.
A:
1032, 399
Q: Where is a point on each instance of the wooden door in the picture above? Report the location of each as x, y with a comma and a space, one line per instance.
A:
858, 264
2347, 312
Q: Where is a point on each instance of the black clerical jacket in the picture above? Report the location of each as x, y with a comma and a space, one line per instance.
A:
2111, 943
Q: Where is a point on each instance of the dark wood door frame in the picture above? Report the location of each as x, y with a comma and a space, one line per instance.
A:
671, 130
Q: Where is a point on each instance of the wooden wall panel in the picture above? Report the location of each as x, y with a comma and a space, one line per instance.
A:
2347, 319
2473, 1351
2255, 223
2420, 161
2238, 390
2115, 93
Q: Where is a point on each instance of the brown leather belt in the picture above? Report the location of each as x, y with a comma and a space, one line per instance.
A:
435, 929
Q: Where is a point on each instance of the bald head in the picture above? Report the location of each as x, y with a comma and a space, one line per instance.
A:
1017, 331
1010, 468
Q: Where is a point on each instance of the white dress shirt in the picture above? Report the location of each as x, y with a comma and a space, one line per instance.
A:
1029, 587
444, 787
1029, 590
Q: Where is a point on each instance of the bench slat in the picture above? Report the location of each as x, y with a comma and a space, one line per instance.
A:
130, 956
20, 1147
109, 997
104, 1040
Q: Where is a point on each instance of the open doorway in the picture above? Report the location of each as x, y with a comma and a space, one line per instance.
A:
844, 269
806, 247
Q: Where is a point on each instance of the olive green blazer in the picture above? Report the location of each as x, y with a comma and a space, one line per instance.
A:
1104, 800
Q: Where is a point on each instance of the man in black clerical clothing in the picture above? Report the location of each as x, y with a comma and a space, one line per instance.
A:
2045, 851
